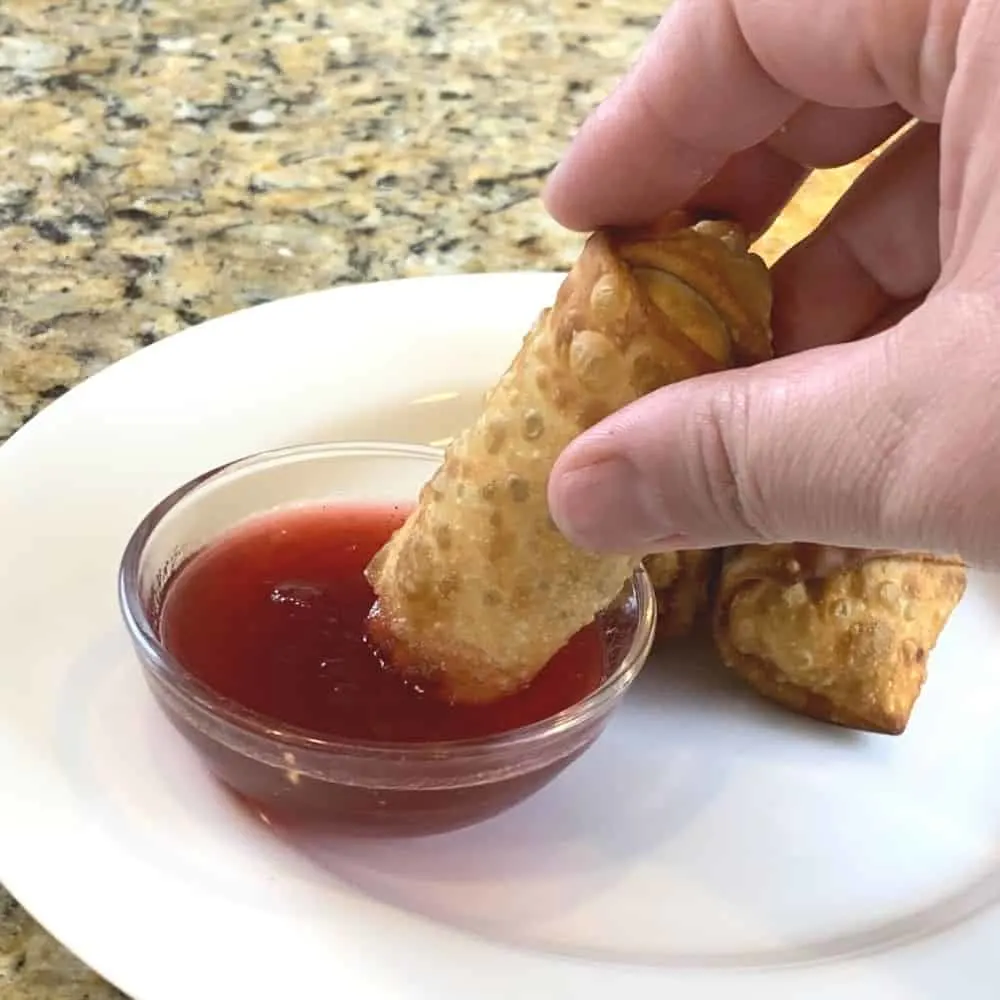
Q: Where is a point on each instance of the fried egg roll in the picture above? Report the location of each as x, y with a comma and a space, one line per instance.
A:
682, 581
478, 589
840, 635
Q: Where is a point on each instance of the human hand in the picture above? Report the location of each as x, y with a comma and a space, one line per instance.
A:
880, 424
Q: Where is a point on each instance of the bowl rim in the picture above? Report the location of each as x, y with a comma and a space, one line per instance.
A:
203, 702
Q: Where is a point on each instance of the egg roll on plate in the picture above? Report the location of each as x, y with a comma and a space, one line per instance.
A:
682, 581
841, 635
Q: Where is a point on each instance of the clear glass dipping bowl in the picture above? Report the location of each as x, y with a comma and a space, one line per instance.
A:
290, 774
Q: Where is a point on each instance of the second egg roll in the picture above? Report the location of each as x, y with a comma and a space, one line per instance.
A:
841, 635
682, 581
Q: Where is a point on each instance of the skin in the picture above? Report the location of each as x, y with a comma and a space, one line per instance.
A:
879, 424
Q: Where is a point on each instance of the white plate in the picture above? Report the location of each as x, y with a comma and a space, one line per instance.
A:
707, 844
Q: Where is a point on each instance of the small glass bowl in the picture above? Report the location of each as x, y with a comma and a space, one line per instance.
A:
290, 774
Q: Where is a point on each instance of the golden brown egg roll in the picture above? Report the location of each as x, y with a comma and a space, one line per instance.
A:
478, 589
840, 635
682, 581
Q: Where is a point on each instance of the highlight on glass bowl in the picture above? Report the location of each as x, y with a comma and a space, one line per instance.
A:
246, 598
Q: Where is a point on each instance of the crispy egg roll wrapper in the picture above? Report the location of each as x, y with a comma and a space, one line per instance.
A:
478, 588
682, 581
840, 635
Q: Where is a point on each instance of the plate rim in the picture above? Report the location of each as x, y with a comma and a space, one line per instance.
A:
220, 326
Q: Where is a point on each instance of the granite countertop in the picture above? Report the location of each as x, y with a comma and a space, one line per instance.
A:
162, 162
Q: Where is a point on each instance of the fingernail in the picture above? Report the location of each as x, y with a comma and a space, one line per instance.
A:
607, 506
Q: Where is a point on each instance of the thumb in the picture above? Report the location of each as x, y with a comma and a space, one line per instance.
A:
869, 444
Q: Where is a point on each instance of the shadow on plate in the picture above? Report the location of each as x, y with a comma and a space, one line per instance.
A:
552, 873
621, 804
569, 845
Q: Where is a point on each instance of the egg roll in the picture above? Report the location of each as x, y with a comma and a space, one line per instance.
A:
478, 589
841, 635
682, 582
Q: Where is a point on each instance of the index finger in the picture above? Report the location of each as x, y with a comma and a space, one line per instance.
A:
719, 77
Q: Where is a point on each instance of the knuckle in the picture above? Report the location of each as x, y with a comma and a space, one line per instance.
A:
911, 45
938, 448
887, 472
723, 435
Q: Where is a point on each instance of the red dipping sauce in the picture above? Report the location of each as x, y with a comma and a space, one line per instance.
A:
273, 616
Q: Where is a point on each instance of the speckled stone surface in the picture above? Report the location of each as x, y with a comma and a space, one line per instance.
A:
165, 161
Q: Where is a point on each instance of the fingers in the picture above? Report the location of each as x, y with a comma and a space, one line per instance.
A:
755, 185
877, 248
821, 137
748, 456
659, 137
864, 444
719, 77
